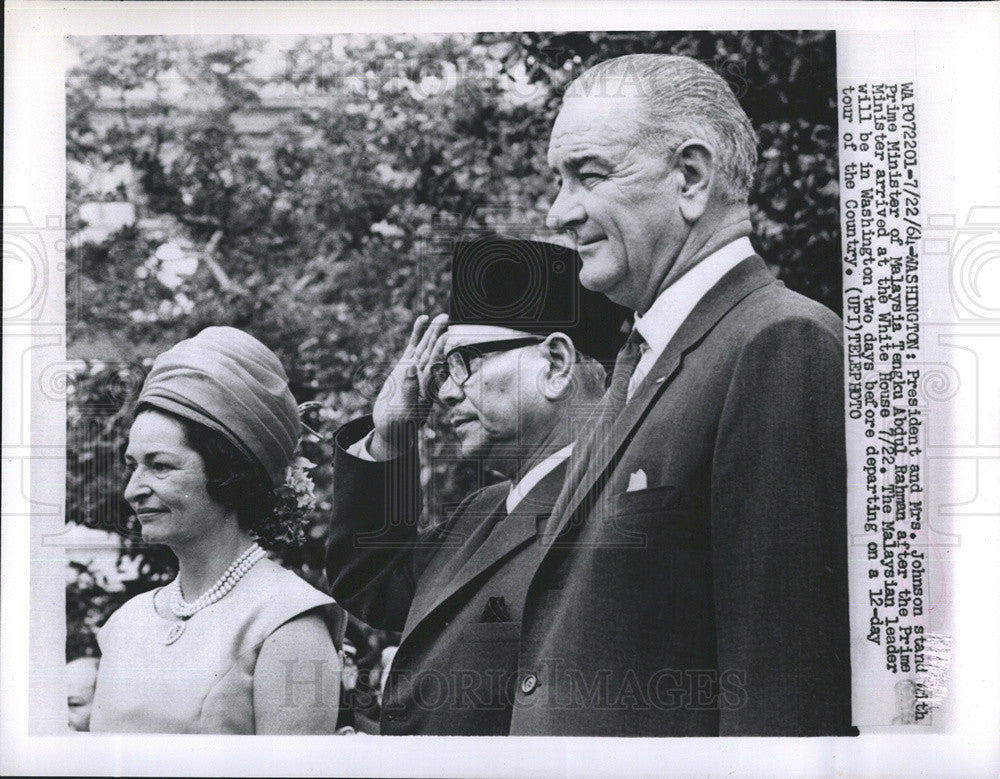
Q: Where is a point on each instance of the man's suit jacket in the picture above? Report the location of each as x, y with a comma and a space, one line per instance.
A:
713, 601
456, 666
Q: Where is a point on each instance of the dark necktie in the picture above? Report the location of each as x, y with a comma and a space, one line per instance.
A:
625, 364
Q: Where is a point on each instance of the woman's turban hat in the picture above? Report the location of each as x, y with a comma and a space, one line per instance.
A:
230, 382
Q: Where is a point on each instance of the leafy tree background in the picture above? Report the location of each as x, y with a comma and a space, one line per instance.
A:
318, 190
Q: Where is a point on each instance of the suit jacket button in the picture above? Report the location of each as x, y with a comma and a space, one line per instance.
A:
529, 683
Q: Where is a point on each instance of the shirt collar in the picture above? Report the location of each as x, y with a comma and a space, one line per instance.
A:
535, 475
658, 325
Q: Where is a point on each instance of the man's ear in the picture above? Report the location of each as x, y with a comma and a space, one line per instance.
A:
557, 380
696, 161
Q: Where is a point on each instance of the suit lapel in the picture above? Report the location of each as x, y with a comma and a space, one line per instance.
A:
466, 528
508, 535
610, 436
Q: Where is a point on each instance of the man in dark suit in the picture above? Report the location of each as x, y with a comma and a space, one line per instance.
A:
694, 576
521, 369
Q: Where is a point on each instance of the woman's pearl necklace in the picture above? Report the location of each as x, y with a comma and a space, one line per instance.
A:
184, 610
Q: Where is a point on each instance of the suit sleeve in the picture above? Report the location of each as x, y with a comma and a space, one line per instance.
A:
779, 536
372, 558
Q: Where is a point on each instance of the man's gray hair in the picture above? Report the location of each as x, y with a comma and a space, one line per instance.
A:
684, 99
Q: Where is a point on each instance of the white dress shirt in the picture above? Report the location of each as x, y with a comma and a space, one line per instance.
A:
535, 475
517, 491
661, 322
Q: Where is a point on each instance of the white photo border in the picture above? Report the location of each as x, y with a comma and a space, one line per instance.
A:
956, 57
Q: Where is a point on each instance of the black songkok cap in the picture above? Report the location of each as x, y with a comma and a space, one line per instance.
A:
534, 287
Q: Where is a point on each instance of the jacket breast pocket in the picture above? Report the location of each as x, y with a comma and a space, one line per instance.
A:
644, 501
654, 515
492, 632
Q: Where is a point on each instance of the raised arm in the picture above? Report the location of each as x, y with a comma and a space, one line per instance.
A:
373, 558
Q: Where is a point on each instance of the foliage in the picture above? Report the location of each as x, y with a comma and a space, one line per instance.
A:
320, 193
786, 82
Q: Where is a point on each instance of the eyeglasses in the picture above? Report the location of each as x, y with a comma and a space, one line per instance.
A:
457, 364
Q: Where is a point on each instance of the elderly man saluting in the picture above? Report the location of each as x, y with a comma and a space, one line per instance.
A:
694, 578
517, 370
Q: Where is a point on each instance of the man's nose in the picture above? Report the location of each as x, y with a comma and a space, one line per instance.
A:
449, 393
566, 212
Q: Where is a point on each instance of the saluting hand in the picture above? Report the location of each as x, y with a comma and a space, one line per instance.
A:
403, 398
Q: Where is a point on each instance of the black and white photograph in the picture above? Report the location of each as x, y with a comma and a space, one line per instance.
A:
533, 194
500, 383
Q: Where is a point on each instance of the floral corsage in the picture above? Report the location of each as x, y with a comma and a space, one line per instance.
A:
294, 499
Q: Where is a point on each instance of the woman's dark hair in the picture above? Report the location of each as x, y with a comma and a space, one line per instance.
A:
233, 479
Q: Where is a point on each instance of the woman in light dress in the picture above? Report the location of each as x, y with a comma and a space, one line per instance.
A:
236, 643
